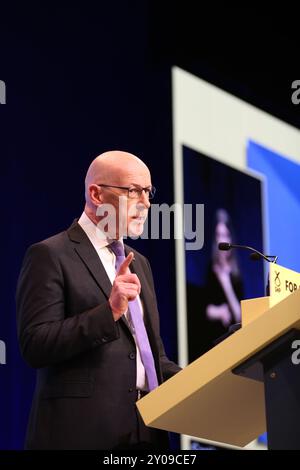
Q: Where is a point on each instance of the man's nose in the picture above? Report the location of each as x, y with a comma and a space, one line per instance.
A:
145, 200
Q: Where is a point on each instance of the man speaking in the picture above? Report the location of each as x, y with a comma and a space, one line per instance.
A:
88, 319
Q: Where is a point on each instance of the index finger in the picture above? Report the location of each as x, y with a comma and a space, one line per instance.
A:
125, 265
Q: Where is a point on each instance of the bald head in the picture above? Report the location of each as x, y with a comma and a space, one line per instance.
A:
106, 182
115, 167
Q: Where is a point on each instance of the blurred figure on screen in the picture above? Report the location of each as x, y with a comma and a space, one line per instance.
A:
224, 287
214, 304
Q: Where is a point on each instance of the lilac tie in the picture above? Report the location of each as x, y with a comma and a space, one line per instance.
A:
138, 324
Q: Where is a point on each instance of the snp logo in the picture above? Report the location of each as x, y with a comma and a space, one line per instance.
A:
296, 354
2, 352
2, 92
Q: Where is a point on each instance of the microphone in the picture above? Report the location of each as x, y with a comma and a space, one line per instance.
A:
255, 255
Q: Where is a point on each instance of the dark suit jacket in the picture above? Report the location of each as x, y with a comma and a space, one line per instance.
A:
86, 380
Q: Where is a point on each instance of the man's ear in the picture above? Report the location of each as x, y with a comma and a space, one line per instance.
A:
95, 194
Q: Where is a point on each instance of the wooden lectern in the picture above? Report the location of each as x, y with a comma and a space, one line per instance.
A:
244, 386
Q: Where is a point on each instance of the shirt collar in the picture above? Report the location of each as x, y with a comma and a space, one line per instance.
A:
96, 236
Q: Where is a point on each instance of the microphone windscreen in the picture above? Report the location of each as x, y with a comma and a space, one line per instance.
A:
224, 246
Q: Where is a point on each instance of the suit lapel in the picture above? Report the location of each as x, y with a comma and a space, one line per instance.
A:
145, 295
136, 268
89, 256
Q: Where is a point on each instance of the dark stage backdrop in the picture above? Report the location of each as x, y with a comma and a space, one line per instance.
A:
83, 80
78, 83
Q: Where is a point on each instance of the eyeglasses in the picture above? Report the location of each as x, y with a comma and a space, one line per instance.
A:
134, 192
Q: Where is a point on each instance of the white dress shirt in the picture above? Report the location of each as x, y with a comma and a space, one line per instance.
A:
108, 259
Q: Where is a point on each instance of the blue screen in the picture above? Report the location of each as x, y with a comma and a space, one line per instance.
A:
282, 202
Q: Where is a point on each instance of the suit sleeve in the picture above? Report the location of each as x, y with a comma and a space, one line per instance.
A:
46, 335
168, 367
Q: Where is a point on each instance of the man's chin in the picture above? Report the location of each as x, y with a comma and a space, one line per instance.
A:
135, 229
